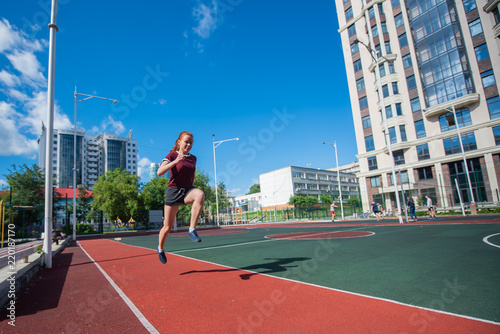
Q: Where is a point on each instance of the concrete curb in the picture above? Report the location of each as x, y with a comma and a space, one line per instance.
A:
23, 273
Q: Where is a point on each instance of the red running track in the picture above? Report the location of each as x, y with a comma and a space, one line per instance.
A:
191, 296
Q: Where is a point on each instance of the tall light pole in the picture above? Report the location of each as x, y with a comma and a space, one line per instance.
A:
473, 202
376, 55
215, 145
338, 176
87, 97
47, 242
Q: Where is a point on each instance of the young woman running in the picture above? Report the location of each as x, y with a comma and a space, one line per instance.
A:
180, 189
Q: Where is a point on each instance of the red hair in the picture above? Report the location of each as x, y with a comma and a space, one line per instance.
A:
182, 134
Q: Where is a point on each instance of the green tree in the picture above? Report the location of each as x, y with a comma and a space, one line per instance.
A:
311, 200
116, 193
153, 193
28, 185
28, 188
325, 198
254, 189
83, 205
297, 201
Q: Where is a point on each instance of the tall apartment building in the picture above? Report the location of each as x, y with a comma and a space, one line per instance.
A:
434, 56
95, 155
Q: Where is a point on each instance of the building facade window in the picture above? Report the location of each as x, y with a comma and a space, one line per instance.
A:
394, 3
371, 12
496, 134
423, 152
348, 14
452, 146
494, 107
411, 82
415, 104
475, 27
382, 70
391, 67
370, 144
366, 122
398, 19
488, 78
469, 5
392, 135
407, 61
351, 31
395, 89
372, 163
357, 66
425, 173
385, 90
420, 129
388, 47
399, 157
375, 181
388, 111
447, 121
443, 62
383, 25
399, 111
402, 132
482, 52
403, 41
354, 48
496, 15
363, 103
360, 84
374, 31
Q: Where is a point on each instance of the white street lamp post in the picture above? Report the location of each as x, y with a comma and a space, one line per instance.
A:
215, 145
47, 242
386, 126
87, 97
338, 176
463, 155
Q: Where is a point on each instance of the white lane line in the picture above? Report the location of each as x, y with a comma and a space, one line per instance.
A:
150, 328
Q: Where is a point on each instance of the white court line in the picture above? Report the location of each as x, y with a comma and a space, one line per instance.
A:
150, 328
485, 239
328, 288
304, 237
254, 242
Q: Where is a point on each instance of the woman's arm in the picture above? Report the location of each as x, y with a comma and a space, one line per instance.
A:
166, 165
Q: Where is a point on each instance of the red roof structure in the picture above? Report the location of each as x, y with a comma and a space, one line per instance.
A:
69, 192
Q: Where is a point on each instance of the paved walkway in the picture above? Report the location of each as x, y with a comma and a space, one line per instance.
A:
71, 297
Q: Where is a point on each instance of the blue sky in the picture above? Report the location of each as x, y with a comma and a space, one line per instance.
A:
269, 72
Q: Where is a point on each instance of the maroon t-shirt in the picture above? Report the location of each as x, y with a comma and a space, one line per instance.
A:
182, 174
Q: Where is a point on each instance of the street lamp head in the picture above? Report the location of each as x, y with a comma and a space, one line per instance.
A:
115, 101
356, 41
237, 138
324, 143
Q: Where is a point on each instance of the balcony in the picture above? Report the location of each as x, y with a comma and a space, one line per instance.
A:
446, 107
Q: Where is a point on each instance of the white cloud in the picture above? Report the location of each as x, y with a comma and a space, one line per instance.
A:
8, 36
3, 183
37, 112
110, 125
9, 79
143, 166
29, 66
22, 85
207, 19
14, 142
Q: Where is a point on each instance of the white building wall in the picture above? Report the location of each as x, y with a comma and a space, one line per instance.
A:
276, 187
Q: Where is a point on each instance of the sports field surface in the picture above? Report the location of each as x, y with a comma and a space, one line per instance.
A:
439, 276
